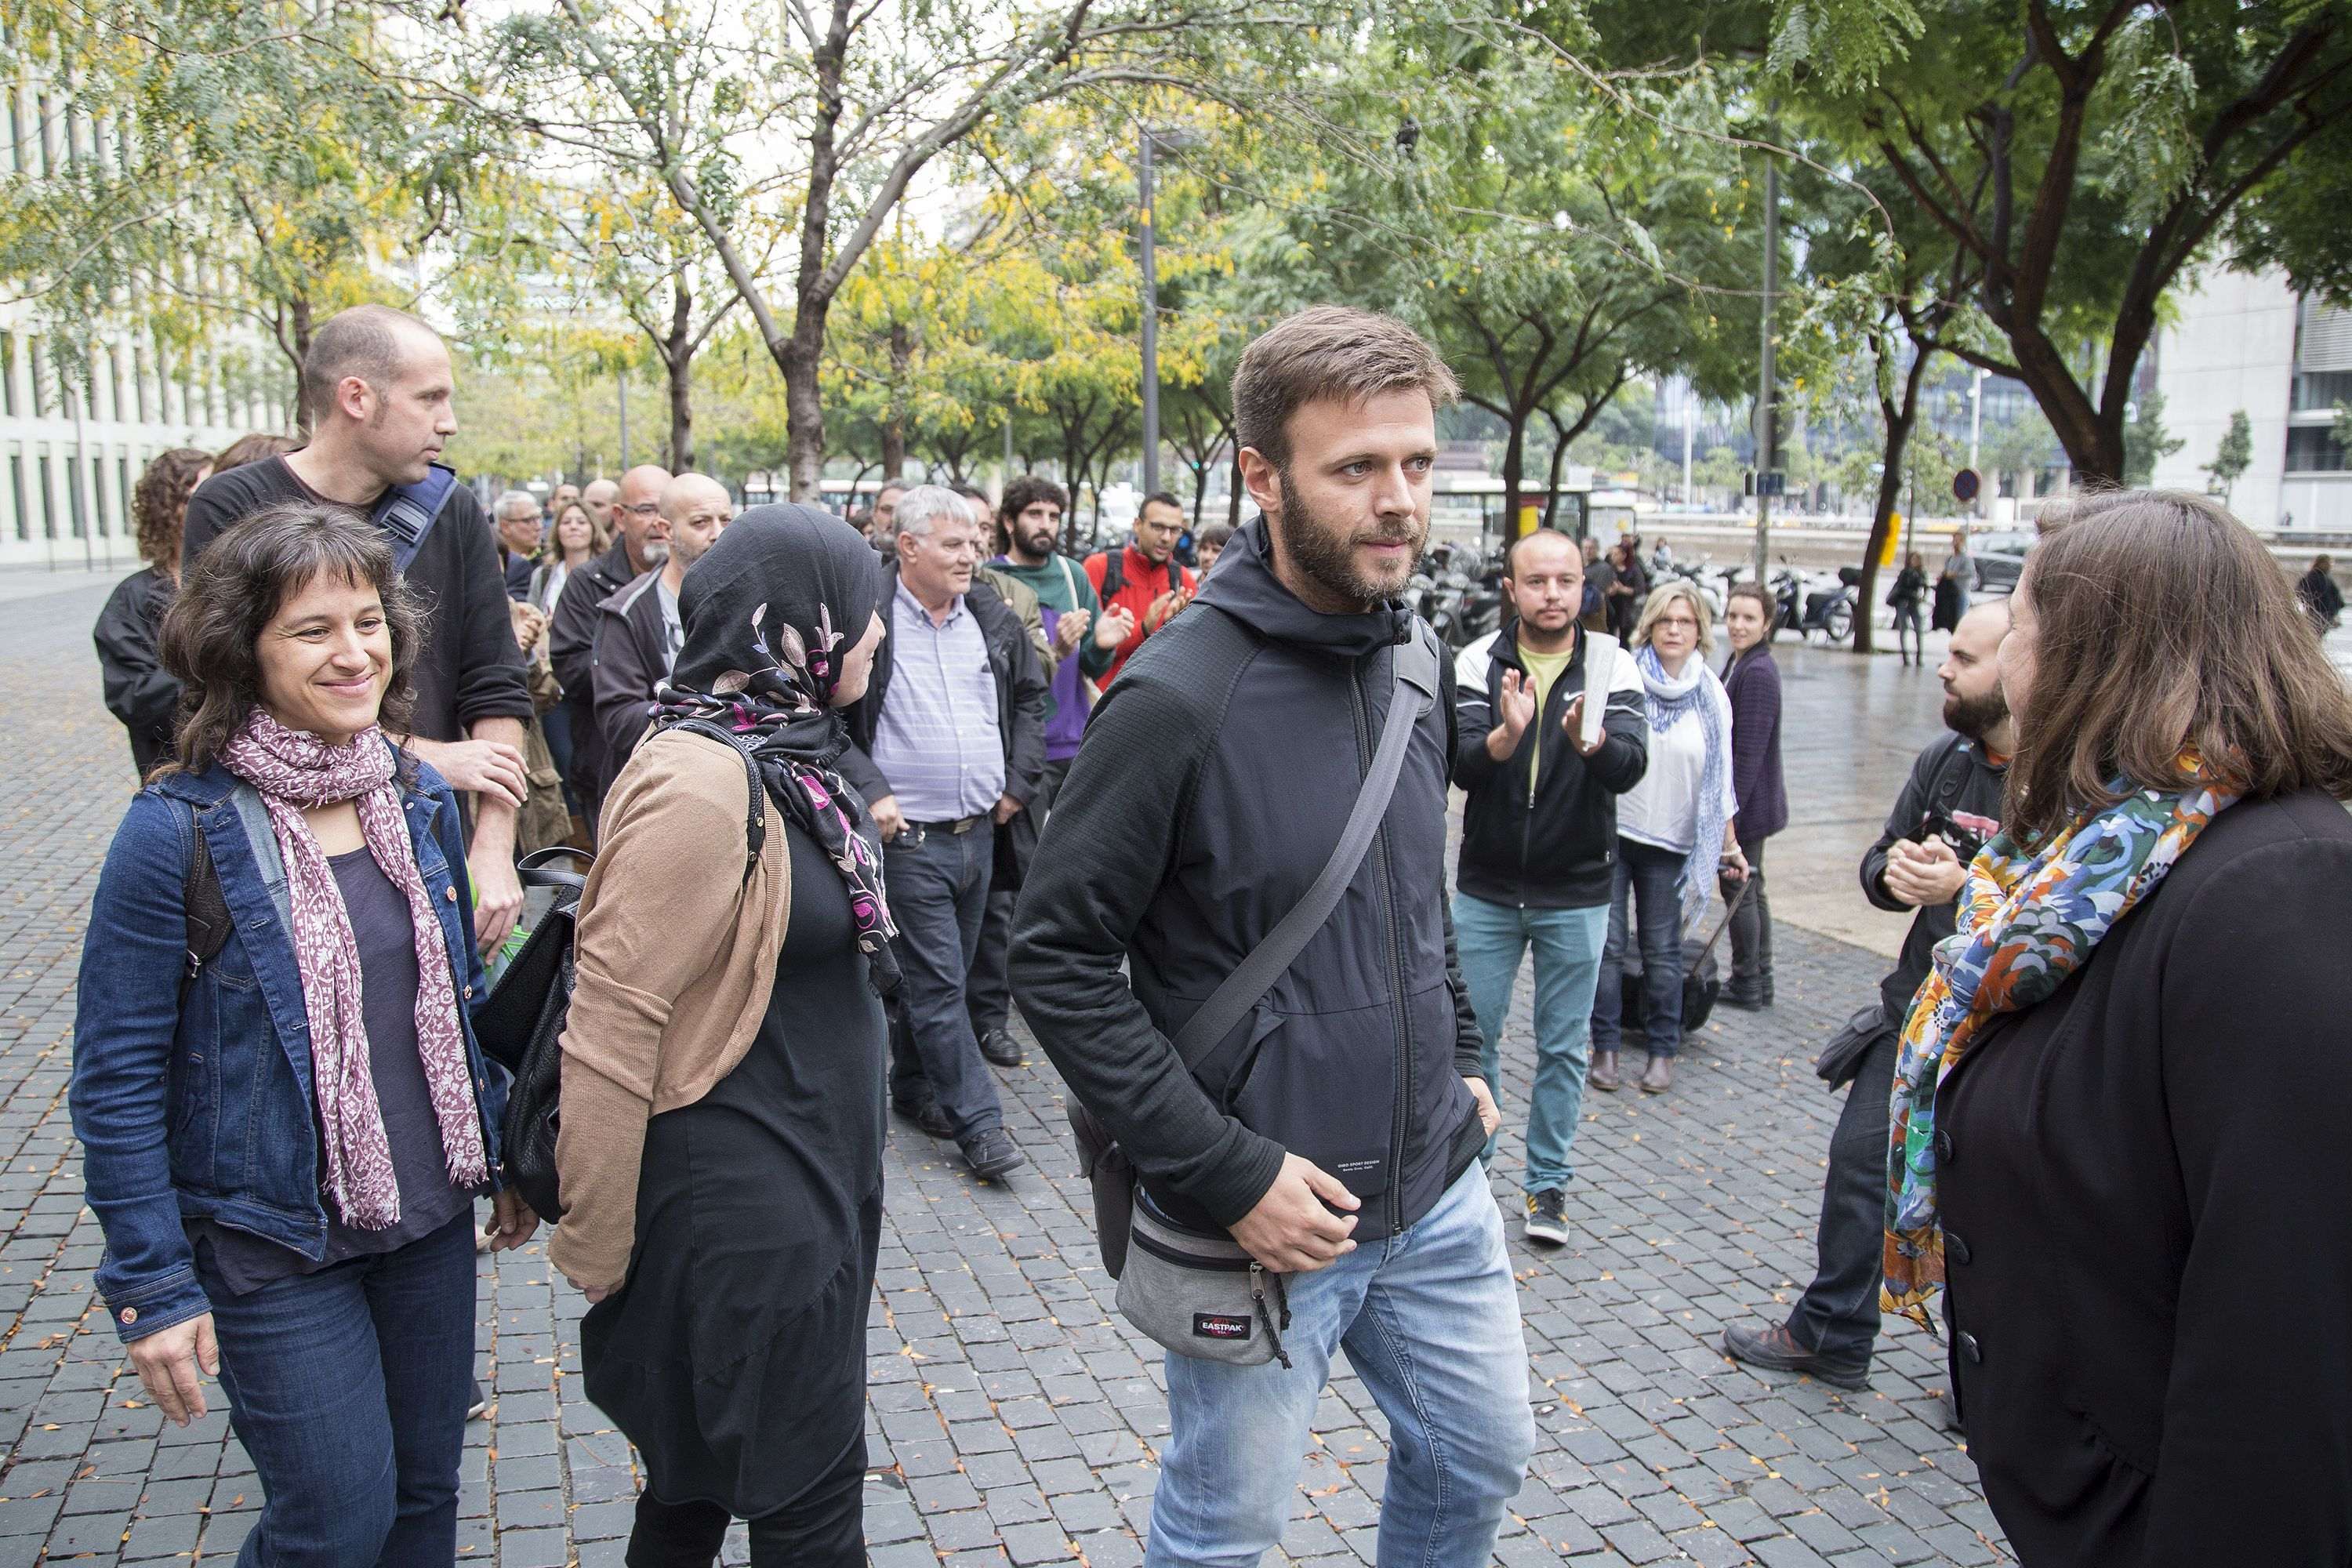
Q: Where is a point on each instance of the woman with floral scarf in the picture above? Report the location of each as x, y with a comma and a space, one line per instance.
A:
720, 1153
2117, 1119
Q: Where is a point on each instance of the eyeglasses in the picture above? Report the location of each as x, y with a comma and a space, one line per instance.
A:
645, 508
1683, 621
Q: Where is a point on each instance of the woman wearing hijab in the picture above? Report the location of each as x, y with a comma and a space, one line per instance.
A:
2118, 1120
284, 1128
1676, 831
723, 1065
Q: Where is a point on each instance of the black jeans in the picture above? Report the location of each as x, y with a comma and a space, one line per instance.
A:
938, 884
991, 990
1838, 1314
1751, 924
825, 1529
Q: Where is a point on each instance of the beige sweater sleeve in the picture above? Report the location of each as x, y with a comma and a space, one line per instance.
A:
671, 851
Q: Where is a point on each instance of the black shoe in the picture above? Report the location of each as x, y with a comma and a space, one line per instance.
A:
1776, 1350
1747, 995
478, 1406
927, 1116
992, 1153
1548, 1216
1001, 1049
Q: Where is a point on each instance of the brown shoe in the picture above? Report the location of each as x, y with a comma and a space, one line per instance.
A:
1604, 1076
1659, 1076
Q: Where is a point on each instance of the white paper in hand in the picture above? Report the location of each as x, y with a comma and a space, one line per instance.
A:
1600, 670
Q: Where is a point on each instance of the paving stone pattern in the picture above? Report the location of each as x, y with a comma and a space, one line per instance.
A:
1015, 1419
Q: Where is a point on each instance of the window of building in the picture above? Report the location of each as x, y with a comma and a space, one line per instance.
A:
17, 162
77, 498
2322, 389
17, 484
40, 367
48, 494
9, 374
138, 379
2313, 450
114, 380
123, 490
43, 146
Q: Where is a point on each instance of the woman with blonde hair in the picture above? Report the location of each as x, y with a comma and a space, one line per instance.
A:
1675, 830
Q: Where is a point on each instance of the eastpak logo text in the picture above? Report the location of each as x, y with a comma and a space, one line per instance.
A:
1220, 1326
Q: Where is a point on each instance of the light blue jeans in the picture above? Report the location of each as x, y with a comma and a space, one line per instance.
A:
1567, 945
1429, 1318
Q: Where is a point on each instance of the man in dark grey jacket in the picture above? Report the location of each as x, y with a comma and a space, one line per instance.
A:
1336, 1132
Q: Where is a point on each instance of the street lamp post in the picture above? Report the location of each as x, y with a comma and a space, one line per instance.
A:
1150, 331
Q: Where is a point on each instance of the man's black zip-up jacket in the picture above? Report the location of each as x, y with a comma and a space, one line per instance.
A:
1210, 788
1557, 848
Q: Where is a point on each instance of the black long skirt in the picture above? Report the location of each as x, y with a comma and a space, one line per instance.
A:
734, 1355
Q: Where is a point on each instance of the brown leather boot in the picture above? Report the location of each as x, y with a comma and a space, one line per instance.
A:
1604, 1076
1659, 1076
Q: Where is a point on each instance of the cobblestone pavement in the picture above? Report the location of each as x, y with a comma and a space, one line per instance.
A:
1015, 1419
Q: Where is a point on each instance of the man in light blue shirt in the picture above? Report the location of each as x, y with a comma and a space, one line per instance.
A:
947, 745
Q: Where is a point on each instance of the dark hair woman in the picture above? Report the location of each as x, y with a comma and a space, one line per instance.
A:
1907, 595
2142, 1228
139, 690
253, 448
1752, 681
723, 1061
282, 1139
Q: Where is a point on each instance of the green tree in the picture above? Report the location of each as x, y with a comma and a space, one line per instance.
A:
2145, 441
2234, 455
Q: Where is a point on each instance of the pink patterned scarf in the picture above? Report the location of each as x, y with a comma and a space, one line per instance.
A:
294, 770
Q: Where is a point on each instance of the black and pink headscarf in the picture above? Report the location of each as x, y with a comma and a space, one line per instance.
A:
769, 612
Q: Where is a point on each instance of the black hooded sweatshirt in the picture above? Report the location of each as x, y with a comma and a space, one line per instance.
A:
1213, 784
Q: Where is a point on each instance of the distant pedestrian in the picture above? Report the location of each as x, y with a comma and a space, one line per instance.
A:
139, 690
380, 392
602, 498
253, 448
1677, 832
1211, 544
2321, 599
722, 1138
1955, 584
1628, 588
1910, 588
641, 544
1949, 806
1141, 583
1751, 681
283, 1139
946, 746
520, 535
558, 497
639, 629
1539, 838
1598, 574
574, 544
2144, 1241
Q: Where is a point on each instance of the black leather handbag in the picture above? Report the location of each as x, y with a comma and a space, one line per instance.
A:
521, 1027
1702, 981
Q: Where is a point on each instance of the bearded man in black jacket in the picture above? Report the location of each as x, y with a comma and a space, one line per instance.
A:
1334, 1134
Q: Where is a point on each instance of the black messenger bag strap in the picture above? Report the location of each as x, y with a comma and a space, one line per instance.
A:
1416, 687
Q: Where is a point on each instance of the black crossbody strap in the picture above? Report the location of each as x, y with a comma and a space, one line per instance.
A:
1416, 664
755, 819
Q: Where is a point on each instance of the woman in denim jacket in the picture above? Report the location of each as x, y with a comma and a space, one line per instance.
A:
283, 1142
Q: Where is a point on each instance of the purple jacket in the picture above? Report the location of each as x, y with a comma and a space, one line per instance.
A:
1753, 684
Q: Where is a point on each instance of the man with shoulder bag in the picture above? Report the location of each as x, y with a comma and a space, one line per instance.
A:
1949, 807
1255, 828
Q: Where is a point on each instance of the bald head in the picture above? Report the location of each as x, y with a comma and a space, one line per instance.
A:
696, 508
600, 498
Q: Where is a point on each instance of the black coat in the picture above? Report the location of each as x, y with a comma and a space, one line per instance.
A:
2150, 1248
139, 690
629, 663
1214, 782
572, 653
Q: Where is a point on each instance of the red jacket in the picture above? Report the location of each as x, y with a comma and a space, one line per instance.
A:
1141, 583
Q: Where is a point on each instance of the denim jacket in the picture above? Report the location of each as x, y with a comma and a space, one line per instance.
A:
192, 1097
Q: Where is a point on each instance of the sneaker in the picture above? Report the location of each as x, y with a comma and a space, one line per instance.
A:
927, 1116
1776, 1350
1001, 1049
992, 1153
1548, 1216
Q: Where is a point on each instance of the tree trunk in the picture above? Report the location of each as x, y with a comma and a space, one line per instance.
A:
677, 358
801, 354
1899, 423
894, 427
1559, 456
1515, 452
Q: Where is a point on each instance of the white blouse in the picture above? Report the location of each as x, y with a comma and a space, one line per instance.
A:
1662, 811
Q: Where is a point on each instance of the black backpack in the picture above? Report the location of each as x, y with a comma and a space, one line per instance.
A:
1115, 575
520, 1026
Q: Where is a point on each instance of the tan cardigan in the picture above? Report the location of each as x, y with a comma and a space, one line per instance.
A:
673, 972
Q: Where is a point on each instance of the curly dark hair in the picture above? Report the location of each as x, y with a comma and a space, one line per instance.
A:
212, 634
159, 502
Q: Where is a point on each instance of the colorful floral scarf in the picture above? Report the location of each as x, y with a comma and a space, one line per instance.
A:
294, 770
2026, 922
769, 610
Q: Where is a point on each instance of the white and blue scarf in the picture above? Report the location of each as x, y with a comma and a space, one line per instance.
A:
1671, 702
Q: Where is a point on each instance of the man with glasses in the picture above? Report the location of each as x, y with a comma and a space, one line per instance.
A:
639, 631
946, 746
643, 543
